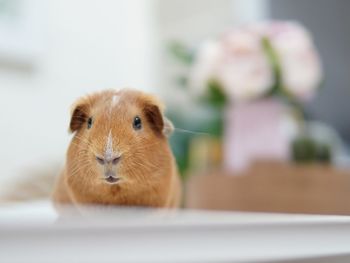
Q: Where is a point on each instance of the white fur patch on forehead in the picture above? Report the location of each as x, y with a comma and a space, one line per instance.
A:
115, 100
109, 146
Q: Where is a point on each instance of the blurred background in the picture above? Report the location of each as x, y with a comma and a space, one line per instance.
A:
52, 52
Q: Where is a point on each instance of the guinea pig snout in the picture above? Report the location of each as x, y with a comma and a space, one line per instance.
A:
110, 177
108, 160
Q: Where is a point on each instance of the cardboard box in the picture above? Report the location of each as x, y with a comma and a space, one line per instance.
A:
273, 187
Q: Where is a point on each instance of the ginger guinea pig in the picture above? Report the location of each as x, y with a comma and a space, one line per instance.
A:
119, 153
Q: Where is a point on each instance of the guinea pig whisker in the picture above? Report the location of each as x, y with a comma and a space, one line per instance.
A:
149, 166
76, 170
81, 139
82, 153
78, 137
191, 132
150, 144
145, 145
80, 166
78, 144
87, 173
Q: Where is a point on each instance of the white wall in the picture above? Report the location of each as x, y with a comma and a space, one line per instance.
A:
246, 11
190, 22
88, 45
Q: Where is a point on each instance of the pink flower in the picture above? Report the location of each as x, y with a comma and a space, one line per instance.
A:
300, 64
244, 70
237, 61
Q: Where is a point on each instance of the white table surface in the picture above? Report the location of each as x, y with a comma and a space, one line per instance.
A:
32, 232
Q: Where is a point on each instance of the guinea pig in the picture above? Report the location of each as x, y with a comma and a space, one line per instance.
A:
119, 153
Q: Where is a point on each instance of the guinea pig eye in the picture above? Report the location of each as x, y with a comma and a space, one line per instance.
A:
137, 123
89, 123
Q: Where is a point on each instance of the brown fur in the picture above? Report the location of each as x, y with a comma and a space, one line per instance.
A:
147, 168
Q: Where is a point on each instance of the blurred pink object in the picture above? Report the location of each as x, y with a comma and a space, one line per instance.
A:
238, 62
259, 130
300, 64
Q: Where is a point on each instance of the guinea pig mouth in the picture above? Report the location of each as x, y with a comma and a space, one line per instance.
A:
112, 180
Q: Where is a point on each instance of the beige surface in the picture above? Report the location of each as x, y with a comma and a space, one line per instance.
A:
273, 187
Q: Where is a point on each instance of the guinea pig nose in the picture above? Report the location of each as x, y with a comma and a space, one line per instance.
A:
114, 160
108, 160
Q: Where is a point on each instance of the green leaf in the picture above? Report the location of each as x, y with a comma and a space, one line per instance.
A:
303, 149
215, 95
323, 153
181, 52
275, 64
278, 89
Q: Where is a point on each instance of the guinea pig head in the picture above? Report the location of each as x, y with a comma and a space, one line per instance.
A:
120, 141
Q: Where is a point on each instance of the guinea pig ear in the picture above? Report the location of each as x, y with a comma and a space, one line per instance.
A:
154, 118
79, 116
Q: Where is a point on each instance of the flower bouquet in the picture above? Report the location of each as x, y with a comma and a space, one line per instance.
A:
256, 77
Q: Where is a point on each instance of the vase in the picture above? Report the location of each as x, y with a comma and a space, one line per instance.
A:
255, 131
